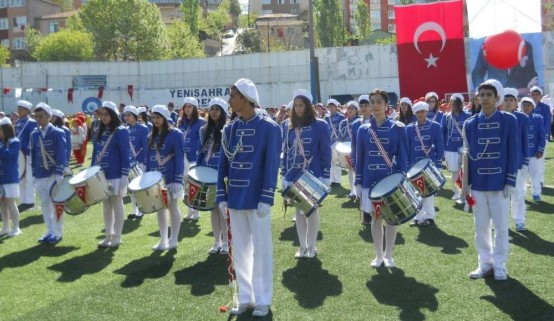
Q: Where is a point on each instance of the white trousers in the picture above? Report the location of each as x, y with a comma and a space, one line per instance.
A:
336, 173
8, 210
518, 199
491, 207
253, 256
351, 181
428, 209
535, 174
307, 229
53, 225
542, 163
219, 226
113, 216
26, 187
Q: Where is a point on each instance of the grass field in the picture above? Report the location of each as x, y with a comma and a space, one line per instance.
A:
75, 280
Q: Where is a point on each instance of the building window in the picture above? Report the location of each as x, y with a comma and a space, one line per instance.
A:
4, 25
294, 11
53, 27
19, 43
375, 16
4, 3
281, 1
264, 12
19, 23
375, 1
392, 28
6, 43
295, 1
18, 3
391, 14
266, 1
375, 26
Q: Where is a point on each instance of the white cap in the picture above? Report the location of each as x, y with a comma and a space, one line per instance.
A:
536, 88
333, 102
526, 100
131, 109
456, 95
44, 107
219, 102
142, 110
162, 110
290, 105
406, 100
354, 104
511, 92
248, 89
302, 93
191, 100
25, 104
431, 94
58, 113
110, 105
499, 89
420, 105
5, 120
363, 98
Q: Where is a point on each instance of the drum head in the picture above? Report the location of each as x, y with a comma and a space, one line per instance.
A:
344, 147
83, 175
145, 180
386, 185
203, 174
61, 193
22, 162
419, 166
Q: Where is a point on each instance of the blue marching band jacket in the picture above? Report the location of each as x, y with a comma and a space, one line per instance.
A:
115, 159
209, 155
68, 142
433, 143
536, 136
307, 147
452, 126
333, 121
169, 159
544, 110
346, 129
9, 158
138, 138
355, 127
23, 129
493, 156
249, 162
54, 145
522, 140
191, 132
436, 116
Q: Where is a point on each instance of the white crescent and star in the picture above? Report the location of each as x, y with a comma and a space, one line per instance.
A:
430, 26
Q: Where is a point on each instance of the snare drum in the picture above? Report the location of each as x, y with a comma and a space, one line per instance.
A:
334, 155
150, 192
200, 188
22, 164
426, 177
343, 150
91, 185
396, 199
305, 193
64, 193
135, 171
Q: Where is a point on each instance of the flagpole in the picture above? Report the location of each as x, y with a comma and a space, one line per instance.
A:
314, 66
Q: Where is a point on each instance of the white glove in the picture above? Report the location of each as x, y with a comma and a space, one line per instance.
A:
359, 190
509, 190
67, 170
123, 183
263, 209
223, 207
326, 181
59, 179
285, 184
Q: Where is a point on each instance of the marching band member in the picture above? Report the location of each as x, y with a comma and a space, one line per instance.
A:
165, 154
48, 157
9, 177
346, 134
365, 111
333, 120
518, 199
111, 153
307, 146
95, 126
453, 141
432, 99
246, 183
58, 121
143, 117
372, 166
138, 145
284, 129
543, 110
210, 142
173, 114
536, 146
424, 141
190, 124
23, 129
406, 114
491, 139
77, 139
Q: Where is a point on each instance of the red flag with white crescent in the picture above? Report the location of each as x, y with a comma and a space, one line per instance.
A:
165, 197
193, 189
349, 160
460, 178
81, 192
59, 210
420, 183
377, 206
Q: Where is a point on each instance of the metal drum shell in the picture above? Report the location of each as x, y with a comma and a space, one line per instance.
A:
204, 198
305, 193
343, 150
97, 187
148, 197
432, 177
400, 204
73, 205
22, 164
135, 171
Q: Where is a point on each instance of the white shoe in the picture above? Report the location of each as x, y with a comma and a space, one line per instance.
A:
4, 232
311, 253
241, 309
377, 262
500, 275
224, 249
456, 196
301, 253
260, 311
389, 263
480, 272
160, 246
116, 241
14, 232
105, 242
215, 249
173, 245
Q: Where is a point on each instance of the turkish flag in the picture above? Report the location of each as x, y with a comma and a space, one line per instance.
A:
81, 192
420, 183
59, 210
377, 206
100, 92
70, 95
430, 41
165, 197
193, 189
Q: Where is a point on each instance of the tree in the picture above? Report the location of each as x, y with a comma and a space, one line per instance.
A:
250, 41
182, 42
74, 23
191, 15
243, 20
235, 11
4, 56
125, 29
406, 1
386, 41
65, 45
363, 24
65, 4
330, 26
33, 38
217, 20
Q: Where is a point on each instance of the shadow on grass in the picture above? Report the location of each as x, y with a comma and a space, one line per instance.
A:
289, 234
365, 234
204, 276
248, 316
532, 242
131, 225
339, 191
154, 266
311, 283
542, 207
31, 220
435, 237
347, 202
547, 191
127, 199
517, 301
392, 287
91, 263
189, 228
30, 255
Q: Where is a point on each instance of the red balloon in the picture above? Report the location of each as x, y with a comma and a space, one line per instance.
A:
504, 50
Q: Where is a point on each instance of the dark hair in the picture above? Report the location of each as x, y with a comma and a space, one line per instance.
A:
214, 128
458, 104
8, 131
436, 103
308, 117
144, 117
488, 86
135, 116
164, 132
381, 92
406, 118
58, 122
170, 104
116, 122
241, 95
193, 118
475, 106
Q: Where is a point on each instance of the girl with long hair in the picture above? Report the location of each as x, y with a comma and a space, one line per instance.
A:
406, 114
9, 180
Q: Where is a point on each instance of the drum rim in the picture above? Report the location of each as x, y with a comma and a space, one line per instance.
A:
389, 192
54, 185
209, 169
95, 168
413, 175
149, 173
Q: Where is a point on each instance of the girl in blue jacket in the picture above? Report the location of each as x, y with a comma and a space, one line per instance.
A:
9, 178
